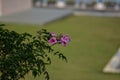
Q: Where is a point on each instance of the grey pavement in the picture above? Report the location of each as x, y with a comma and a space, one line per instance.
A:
39, 16
98, 13
43, 16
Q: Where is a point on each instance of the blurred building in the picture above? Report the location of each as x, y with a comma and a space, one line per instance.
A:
65, 3
14, 6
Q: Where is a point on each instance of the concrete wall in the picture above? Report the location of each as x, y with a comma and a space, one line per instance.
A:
0, 8
14, 6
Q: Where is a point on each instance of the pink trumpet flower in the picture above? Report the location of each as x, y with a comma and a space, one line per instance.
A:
65, 38
52, 40
53, 34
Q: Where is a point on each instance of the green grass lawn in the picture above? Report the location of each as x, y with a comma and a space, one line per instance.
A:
94, 40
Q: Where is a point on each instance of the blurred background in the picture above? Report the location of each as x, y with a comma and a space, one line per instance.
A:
93, 26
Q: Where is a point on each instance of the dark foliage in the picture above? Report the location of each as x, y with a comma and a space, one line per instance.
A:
24, 53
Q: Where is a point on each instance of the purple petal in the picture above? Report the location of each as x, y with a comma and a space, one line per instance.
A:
52, 40
53, 34
65, 38
64, 44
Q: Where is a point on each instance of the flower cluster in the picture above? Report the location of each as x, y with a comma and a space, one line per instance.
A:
58, 39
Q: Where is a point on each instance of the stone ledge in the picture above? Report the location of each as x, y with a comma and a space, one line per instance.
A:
113, 65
